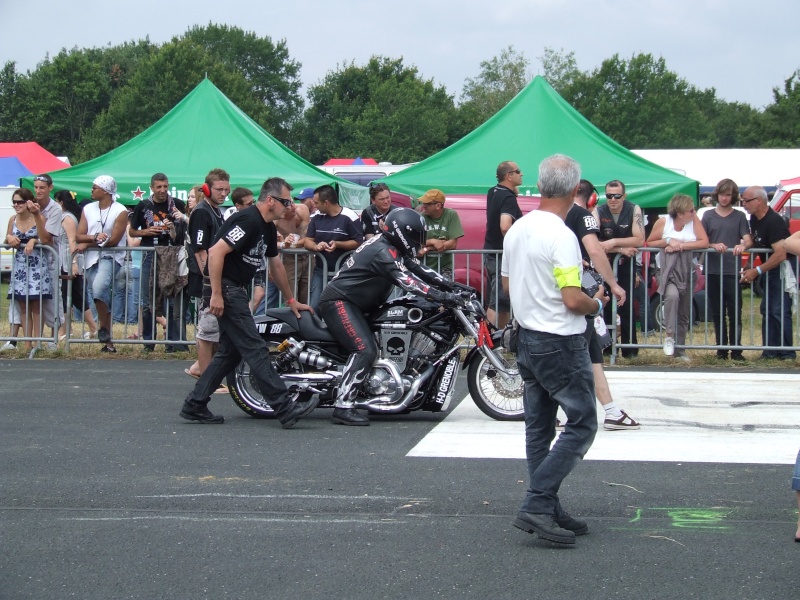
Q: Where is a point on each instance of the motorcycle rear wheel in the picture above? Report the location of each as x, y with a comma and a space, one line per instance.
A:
494, 396
246, 395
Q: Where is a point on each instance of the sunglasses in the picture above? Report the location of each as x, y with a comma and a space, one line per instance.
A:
44, 178
287, 202
517, 171
17, 202
614, 196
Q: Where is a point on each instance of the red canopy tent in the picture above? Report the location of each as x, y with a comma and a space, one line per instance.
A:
343, 162
33, 156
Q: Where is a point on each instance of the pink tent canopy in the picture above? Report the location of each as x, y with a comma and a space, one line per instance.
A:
33, 156
790, 182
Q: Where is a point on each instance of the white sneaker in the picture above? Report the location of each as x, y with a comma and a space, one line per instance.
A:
669, 346
683, 358
52, 346
7, 346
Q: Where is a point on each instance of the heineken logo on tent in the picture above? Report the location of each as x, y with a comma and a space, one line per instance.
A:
138, 193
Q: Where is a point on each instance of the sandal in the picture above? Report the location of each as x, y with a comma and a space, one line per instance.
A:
190, 374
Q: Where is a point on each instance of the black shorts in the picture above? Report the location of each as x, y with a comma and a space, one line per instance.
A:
593, 343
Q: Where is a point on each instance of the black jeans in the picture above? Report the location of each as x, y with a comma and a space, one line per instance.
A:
725, 300
626, 278
239, 339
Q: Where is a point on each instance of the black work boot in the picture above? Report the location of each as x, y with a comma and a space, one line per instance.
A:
198, 412
297, 412
349, 416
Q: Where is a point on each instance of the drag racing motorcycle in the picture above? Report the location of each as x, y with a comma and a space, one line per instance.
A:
420, 345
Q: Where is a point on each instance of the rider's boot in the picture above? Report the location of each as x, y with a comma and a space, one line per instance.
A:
349, 416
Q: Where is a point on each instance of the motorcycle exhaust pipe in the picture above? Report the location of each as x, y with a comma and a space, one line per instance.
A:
406, 400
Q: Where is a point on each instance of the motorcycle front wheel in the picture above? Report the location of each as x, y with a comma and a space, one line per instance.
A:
496, 396
245, 393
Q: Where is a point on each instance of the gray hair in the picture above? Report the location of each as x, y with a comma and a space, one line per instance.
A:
760, 192
559, 175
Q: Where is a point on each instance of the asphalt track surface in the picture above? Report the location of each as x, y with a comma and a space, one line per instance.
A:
107, 493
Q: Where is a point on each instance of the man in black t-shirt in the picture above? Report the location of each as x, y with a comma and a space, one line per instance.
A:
151, 221
584, 226
233, 260
769, 230
501, 212
203, 226
380, 205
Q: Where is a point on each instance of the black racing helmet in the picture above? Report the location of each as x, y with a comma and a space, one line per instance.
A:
405, 230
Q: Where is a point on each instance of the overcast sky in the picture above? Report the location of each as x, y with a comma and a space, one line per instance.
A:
743, 49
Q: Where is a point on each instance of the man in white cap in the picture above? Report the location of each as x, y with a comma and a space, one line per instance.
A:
102, 228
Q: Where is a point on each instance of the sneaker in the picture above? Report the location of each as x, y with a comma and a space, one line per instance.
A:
7, 346
669, 346
88, 335
545, 526
103, 335
52, 346
199, 413
298, 411
621, 424
349, 416
108, 350
683, 358
738, 357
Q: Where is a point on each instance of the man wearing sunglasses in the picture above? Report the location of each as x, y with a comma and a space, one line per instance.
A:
502, 210
242, 241
621, 233
769, 230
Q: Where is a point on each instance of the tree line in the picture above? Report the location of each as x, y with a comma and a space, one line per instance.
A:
85, 102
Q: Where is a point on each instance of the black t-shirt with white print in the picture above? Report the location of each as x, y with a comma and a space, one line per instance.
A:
251, 238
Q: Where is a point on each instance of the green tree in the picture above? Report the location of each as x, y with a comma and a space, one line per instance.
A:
272, 75
641, 104
383, 109
559, 69
780, 127
157, 85
10, 103
62, 98
501, 78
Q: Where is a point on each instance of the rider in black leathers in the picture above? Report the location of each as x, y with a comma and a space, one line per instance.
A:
364, 283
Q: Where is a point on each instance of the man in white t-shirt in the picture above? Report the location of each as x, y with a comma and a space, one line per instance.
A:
542, 271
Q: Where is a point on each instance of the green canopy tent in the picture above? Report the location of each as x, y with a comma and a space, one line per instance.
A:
534, 125
203, 131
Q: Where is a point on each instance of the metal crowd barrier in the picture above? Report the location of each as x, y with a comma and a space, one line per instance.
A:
18, 310
701, 334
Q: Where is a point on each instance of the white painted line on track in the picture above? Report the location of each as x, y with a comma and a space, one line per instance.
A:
686, 416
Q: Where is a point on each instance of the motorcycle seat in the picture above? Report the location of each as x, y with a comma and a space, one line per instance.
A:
310, 326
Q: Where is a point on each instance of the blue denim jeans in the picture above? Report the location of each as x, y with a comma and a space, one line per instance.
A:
100, 279
776, 312
796, 477
556, 371
146, 294
315, 290
126, 295
239, 339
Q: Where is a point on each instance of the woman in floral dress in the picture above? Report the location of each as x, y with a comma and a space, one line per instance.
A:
30, 279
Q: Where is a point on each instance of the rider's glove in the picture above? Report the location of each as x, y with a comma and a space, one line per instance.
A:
452, 300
